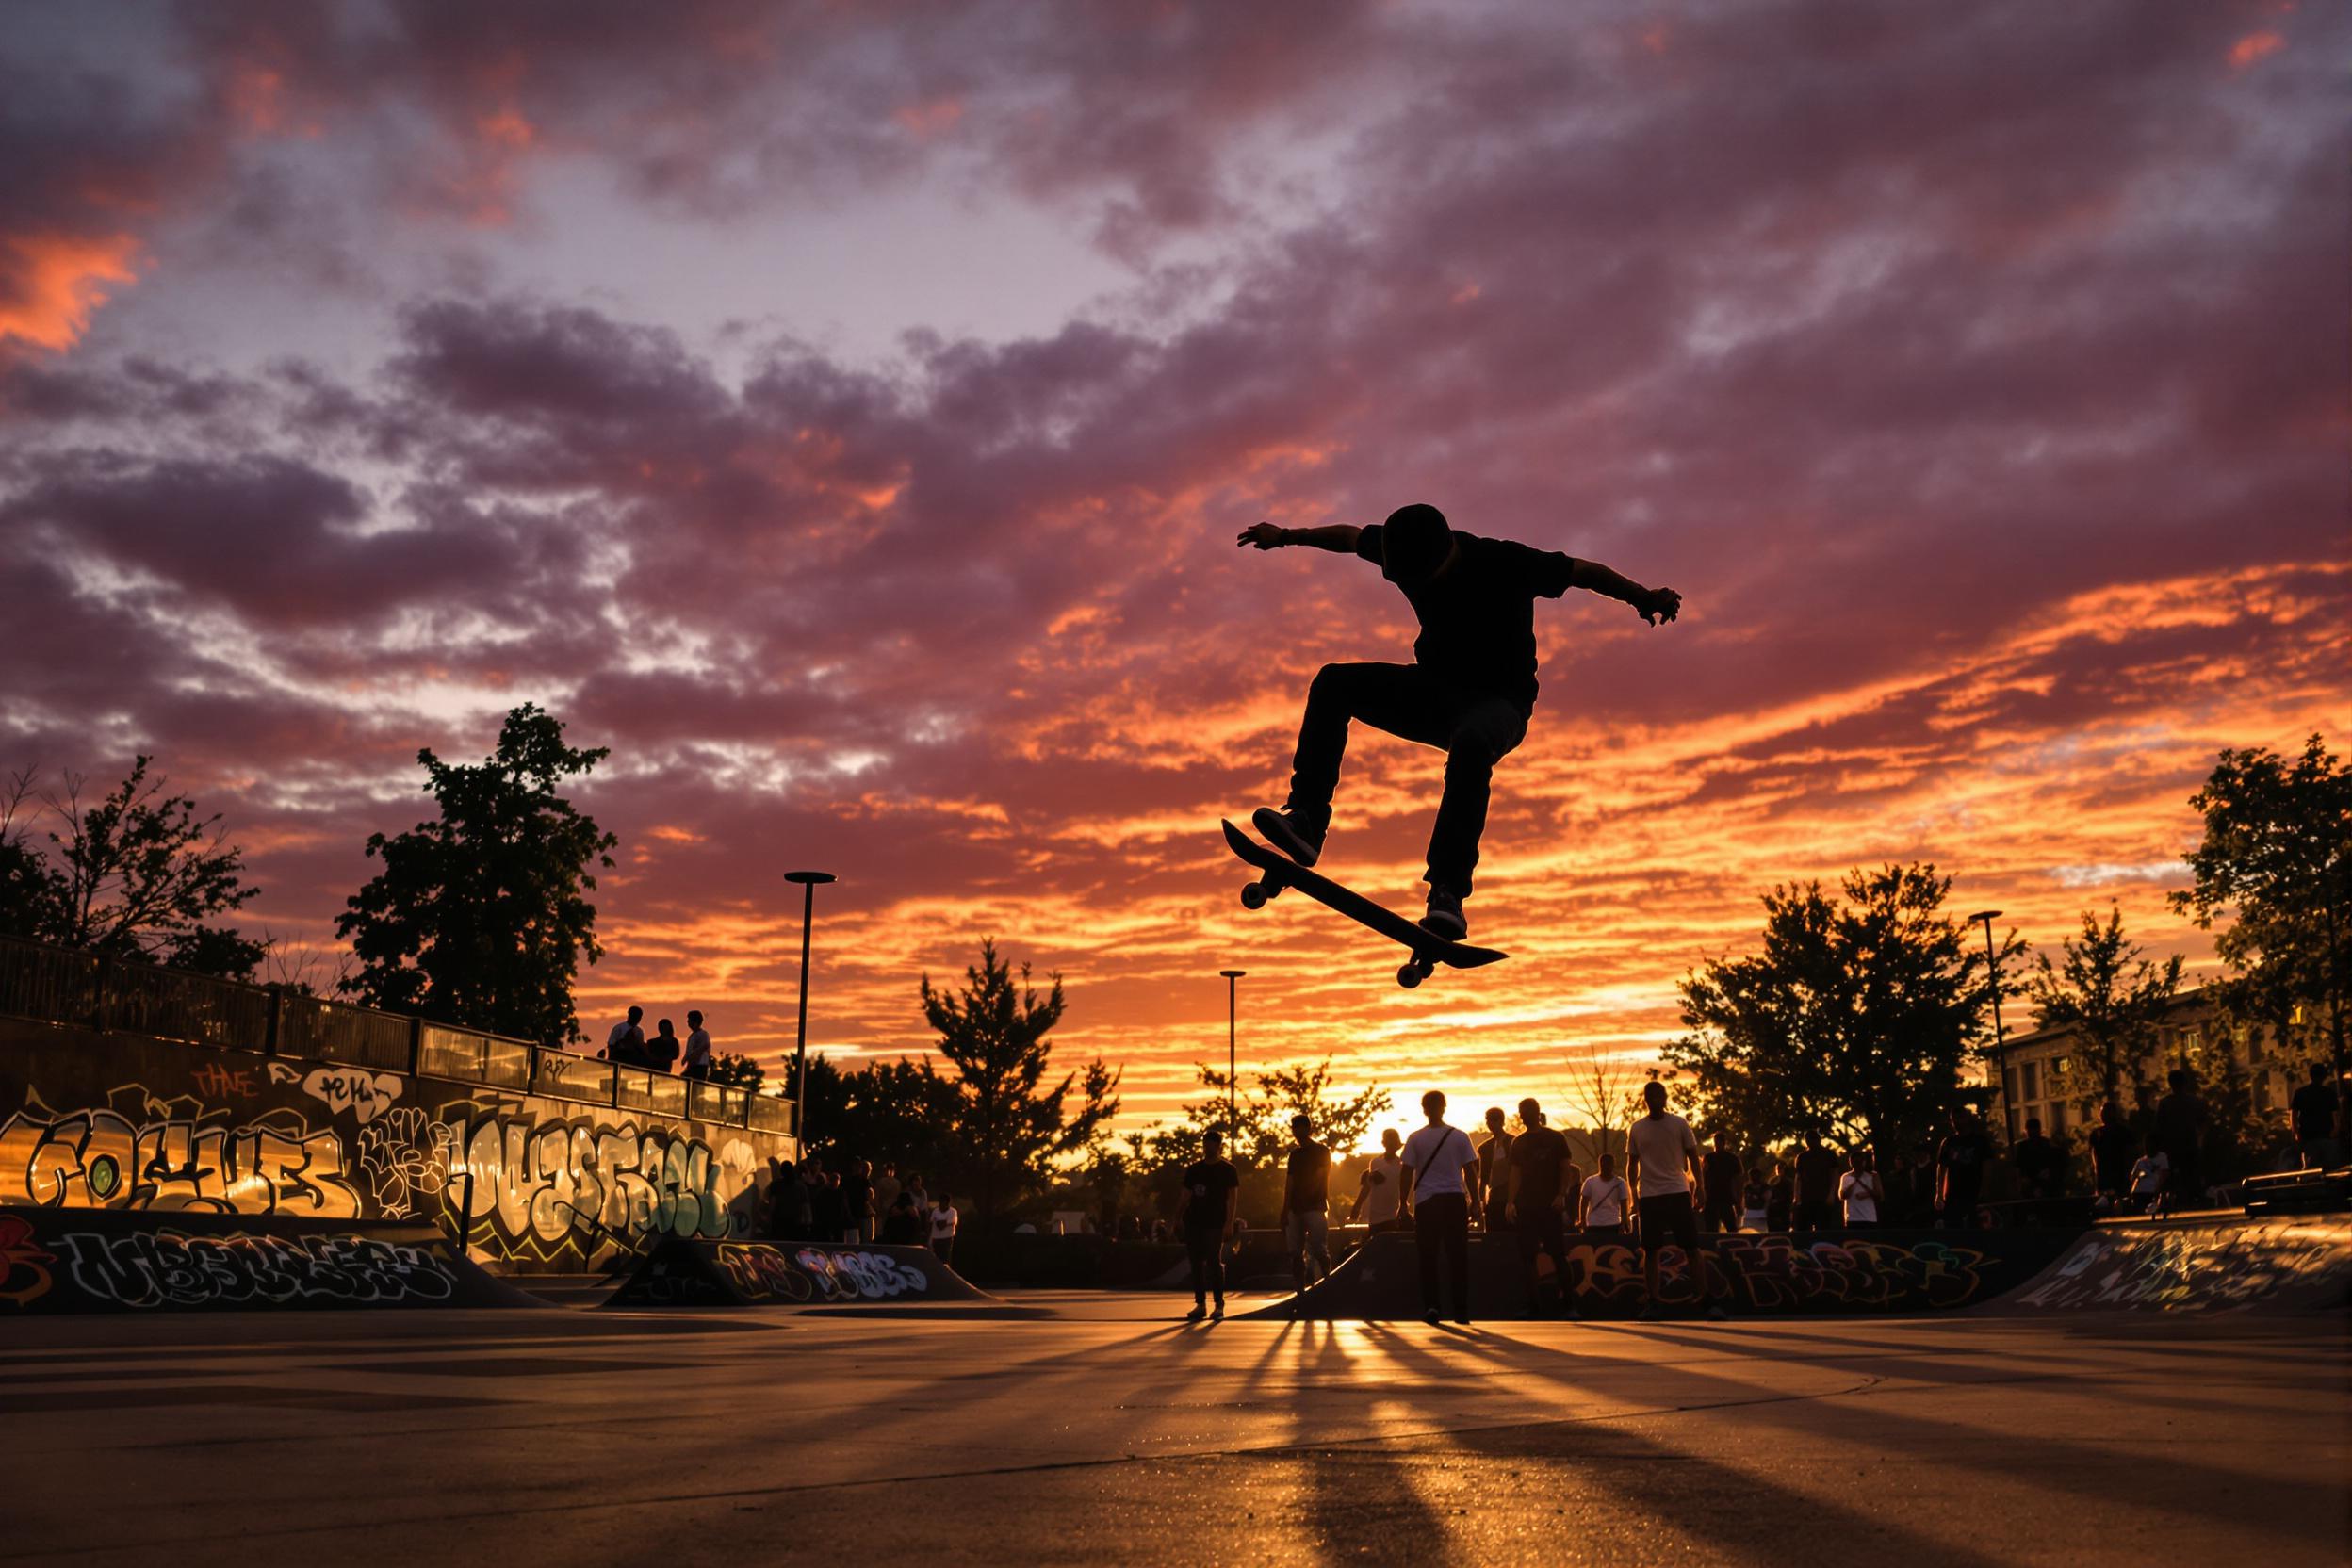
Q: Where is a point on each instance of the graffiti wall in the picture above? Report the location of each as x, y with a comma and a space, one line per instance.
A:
757, 1273
107, 1121
2233, 1265
62, 1260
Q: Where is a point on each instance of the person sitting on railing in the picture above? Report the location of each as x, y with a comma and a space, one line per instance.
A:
663, 1052
626, 1042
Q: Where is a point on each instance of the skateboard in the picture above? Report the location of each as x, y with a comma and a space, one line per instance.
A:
1279, 871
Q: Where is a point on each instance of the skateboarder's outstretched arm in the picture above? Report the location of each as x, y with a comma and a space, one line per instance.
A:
1655, 605
1340, 537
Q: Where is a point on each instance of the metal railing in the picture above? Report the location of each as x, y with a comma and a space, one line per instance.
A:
56, 985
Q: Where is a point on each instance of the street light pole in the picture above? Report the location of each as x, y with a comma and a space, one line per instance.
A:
808, 881
2000, 1042
1232, 1068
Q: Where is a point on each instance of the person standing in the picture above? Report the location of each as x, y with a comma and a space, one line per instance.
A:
1817, 1186
1212, 1195
1664, 1158
1861, 1192
789, 1219
1723, 1174
1535, 1200
1780, 1199
1601, 1204
626, 1042
2312, 1112
2041, 1165
1756, 1201
663, 1052
1960, 1162
886, 1188
2114, 1148
901, 1225
2181, 1124
697, 1047
858, 1215
1441, 1181
1379, 1195
1495, 1171
1306, 1206
945, 1222
824, 1202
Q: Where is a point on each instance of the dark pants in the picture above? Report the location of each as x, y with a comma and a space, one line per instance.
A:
1442, 1221
1721, 1217
1960, 1211
1474, 730
1542, 1229
1816, 1214
1206, 1250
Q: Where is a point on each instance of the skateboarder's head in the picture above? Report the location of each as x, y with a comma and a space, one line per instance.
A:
1414, 542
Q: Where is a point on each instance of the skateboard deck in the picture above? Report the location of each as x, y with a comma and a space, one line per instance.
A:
1279, 871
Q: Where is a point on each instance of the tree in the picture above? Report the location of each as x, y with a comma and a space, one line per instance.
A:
2114, 1000
1007, 1128
2276, 862
1856, 1020
894, 1113
135, 877
738, 1072
481, 918
1605, 1088
1265, 1114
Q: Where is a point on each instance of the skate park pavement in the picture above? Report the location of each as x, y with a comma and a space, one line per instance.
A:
1098, 1428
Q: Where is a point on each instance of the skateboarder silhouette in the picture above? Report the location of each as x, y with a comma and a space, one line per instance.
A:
1469, 691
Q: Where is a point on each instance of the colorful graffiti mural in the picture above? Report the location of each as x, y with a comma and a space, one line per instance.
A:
543, 1183
681, 1273
2231, 1267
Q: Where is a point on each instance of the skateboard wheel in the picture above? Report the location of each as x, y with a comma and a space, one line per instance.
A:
1253, 897
1411, 975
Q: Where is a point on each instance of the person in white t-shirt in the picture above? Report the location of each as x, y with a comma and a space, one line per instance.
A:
1668, 1188
944, 1223
698, 1048
1441, 1187
1860, 1190
1382, 1190
1601, 1204
2150, 1173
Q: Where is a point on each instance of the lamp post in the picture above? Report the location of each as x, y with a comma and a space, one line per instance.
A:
808, 881
1232, 1070
2001, 1043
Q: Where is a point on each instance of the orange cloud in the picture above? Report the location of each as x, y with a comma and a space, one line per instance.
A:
2254, 46
54, 281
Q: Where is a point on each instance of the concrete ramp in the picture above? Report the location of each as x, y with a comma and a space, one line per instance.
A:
59, 1260
2208, 1264
691, 1273
1819, 1273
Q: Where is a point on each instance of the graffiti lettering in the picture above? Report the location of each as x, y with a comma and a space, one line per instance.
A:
2193, 1270
847, 1276
170, 1268
1777, 1274
214, 1082
349, 1089
102, 1160
24, 1267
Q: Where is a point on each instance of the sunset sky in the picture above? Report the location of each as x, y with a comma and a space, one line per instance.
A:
845, 413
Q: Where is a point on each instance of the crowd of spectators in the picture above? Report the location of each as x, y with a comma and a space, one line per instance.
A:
858, 1204
627, 1044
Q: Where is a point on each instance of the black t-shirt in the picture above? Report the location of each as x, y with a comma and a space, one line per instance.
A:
2113, 1147
2315, 1106
2038, 1162
1477, 620
1307, 1186
903, 1227
1538, 1156
1963, 1155
857, 1196
1205, 1187
1722, 1174
1817, 1175
2178, 1118
826, 1204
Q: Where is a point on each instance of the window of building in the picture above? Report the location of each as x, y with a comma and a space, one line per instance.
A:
2032, 1072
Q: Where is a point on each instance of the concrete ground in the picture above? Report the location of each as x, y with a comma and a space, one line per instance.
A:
1089, 1428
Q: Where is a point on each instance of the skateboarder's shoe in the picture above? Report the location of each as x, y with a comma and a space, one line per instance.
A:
1295, 833
1444, 917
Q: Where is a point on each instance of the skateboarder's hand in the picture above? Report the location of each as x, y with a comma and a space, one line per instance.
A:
1659, 605
1265, 535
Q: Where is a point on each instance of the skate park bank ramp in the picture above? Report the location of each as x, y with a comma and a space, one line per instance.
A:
55, 1261
2202, 1264
678, 1272
1818, 1274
